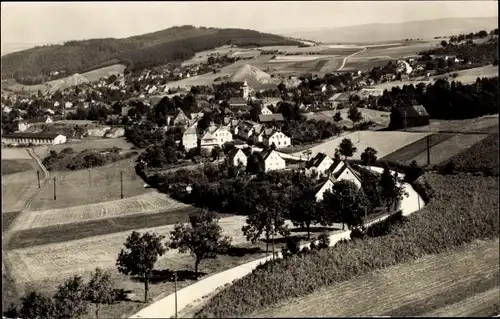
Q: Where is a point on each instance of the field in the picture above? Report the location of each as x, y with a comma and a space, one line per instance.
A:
149, 203
441, 152
73, 188
410, 151
463, 209
95, 75
99, 143
484, 124
384, 142
432, 284
15, 153
480, 156
469, 76
11, 166
381, 118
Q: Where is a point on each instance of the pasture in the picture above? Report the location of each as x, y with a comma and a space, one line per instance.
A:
484, 124
15, 153
107, 71
432, 284
469, 76
407, 153
11, 166
88, 143
84, 187
381, 118
384, 142
149, 203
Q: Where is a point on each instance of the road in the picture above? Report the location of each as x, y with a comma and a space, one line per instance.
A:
165, 308
349, 56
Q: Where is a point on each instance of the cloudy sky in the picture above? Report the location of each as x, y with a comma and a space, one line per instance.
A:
25, 24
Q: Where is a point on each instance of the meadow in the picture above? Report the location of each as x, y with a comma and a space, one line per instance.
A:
384, 142
431, 284
484, 124
11, 166
380, 118
18, 188
97, 74
83, 187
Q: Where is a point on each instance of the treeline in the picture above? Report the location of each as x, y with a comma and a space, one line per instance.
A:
483, 53
148, 50
445, 100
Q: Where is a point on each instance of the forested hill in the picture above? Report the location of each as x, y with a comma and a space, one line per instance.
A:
176, 43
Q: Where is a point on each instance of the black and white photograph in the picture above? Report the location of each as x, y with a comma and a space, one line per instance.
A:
235, 159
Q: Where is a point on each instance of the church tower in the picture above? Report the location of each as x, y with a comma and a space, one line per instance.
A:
245, 90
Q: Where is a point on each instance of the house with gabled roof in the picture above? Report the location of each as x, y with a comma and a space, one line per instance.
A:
278, 138
323, 187
222, 134
180, 118
246, 129
269, 118
208, 141
345, 173
265, 111
260, 134
272, 161
318, 165
236, 157
190, 137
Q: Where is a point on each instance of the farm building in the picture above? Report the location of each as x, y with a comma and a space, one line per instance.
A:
319, 165
345, 173
279, 139
269, 118
408, 116
236, 157
265, 111
237, 102
272, 161
34, 138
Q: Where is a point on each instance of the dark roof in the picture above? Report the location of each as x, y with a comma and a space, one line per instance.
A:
233, 152
316, 160
347, 166
33, 135
238, 101
265, 154
271, 117
412, 111
38, 120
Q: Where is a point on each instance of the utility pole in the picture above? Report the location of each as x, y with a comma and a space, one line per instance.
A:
272, 234
38, 177
175, 291
55, 188
90, 178
404, 112
121, 184
428, 150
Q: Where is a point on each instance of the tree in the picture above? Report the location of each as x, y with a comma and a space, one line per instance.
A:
100, 289
70, 301
337, 117
305, 210
36, 305
140, 255
369, 156
202, 237
345, 203
392, 188
444, 43
216, 152
354, 114
267, 215
347, 148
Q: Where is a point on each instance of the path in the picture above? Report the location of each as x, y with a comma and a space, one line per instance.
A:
165, 307
349, 56
27, 206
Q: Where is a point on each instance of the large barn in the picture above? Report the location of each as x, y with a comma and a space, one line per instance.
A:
34, 138
408, 116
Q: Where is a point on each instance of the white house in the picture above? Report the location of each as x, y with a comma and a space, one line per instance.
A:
190, 138
346, 173
208, 141
34, 138
236, 157
265, 111
68, 105
222, 134
272, 161
318, 165
279, 139
326, 186
23, 125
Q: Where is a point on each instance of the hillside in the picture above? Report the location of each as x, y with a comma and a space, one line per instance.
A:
379, 32
252, 75
33, 66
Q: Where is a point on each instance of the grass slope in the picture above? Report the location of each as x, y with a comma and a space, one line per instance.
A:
138, 51
430, 284
462, 209
16, 166
408, 152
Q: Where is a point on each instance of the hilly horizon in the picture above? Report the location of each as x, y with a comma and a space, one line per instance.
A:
33, 66
379, 32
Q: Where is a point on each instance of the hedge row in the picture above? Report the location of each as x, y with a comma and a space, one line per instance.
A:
463, 208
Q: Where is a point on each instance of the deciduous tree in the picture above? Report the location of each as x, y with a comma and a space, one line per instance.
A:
202, 237
369, 156
392, 188
347, 148
100, 289
70, 301
305, 210
140, 255
36, 305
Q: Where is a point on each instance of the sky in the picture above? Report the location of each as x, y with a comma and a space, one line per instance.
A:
26, 24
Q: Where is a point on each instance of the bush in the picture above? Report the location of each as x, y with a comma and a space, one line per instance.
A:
434, 229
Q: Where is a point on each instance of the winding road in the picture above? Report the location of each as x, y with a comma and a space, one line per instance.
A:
165, 307
350, 56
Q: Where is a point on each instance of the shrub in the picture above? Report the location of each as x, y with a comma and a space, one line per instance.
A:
323, 241
465, 209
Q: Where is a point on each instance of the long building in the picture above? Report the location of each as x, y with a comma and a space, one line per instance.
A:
34, 138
